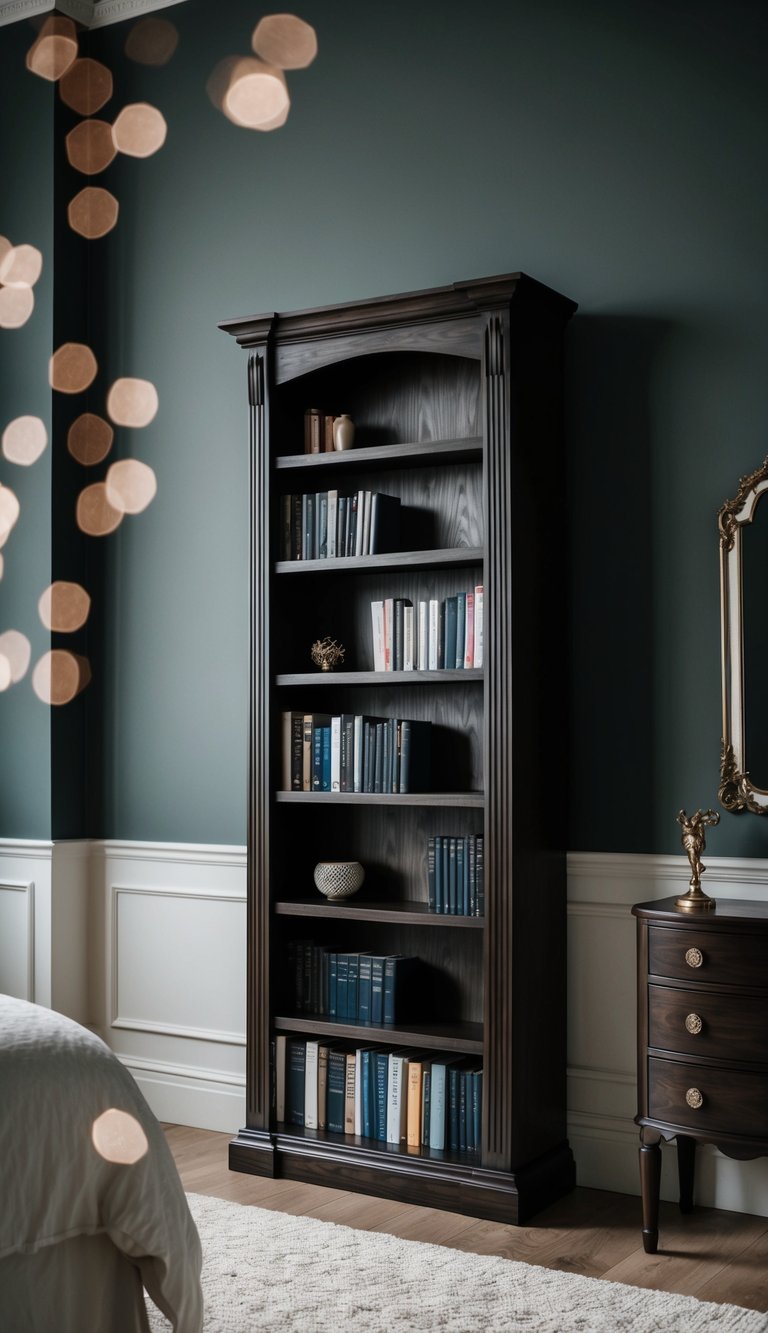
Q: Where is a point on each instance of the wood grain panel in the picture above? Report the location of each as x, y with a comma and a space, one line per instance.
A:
730, 1098
727, 959
732, 1026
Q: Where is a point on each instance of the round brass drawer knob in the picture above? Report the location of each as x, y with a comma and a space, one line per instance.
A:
694, 957
694, 1098
693, 1024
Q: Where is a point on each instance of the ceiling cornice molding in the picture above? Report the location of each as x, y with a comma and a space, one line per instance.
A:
90, 13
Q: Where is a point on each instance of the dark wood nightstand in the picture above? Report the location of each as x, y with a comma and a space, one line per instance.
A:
702, 1057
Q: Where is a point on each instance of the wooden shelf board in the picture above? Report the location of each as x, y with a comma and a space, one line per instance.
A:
461, 1038
410, 913
424, 453
450, 676
461, 799
389, 560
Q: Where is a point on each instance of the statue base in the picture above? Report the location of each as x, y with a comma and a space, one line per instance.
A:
695, 901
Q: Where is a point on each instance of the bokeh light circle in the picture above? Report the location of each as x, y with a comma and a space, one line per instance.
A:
24, 440
9, 512
86, 86
151, 41
16, 306
21, 266
118, 1137
54, 49
94, 513
93, 212
285, 41
139, 130
59, 676
72, 368
89, 439
131, 486
132, 402
257, 95
63, 607
5, 672
16, 647
90, 147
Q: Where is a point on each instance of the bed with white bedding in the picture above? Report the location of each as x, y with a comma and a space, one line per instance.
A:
81, 1236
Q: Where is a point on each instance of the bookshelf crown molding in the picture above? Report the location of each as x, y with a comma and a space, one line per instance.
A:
90, 13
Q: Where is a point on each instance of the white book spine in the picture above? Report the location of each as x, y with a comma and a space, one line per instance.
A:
389, 617
357, 777
333, 521
407, 638
469, 631
360, 523
335, 754
434, 632
423, 636
310, 1086
394, 1098
437, 1107
367, 523
377, 626
479, 626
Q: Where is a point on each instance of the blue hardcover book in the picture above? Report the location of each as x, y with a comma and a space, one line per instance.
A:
480, 877
331, 1002
364, 986
377, 988
310, 529
317, 758
439, 891
438, 1104
325, 758
400, 982
378, 758
341, 536
450, 631
367, 1092
425, 1101
452, 876
477, 1108
453, 1108
336, 1081
472, 876
460, 842
461, 620
296, 1056
322, 543
431, 875
386, 758
380, 1072
415, 756
342, 976
396, 726
353, 979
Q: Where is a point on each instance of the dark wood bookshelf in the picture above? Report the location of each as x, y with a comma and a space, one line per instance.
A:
456, 394
347, 910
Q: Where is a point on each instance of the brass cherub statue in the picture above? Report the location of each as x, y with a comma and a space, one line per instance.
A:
693, 842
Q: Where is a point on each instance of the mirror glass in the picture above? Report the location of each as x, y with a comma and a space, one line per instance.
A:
743, 524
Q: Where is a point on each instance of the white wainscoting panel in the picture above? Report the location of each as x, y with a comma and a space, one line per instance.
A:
17, 939
602, 1016
168, 974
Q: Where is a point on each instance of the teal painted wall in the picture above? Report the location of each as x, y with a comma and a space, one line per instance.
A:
26, 216
614, 152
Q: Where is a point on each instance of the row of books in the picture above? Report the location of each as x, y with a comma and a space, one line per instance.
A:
393, 1096
357, 987
318, 431
435, 636
456, 875
326, 525
352, 752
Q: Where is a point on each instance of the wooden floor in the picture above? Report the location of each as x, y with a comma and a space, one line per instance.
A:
716, 1256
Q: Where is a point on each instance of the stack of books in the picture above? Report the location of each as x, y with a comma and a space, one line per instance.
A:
354, 987
438, 636
318, 431
326, 525
352, 752
456, 875
422, 1099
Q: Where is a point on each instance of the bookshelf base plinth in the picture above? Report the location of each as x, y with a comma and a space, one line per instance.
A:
253, 1151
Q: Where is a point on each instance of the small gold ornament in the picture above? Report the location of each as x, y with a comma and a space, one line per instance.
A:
327, 653
693, 842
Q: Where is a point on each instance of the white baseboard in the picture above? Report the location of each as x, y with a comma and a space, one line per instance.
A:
191, 1096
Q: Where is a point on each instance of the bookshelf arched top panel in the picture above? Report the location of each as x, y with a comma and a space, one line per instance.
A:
462, 338
394, 397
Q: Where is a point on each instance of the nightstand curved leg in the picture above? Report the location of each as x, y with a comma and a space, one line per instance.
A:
650, 1182
686, 1160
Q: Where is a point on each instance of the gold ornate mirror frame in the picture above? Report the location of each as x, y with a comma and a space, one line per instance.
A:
736, 792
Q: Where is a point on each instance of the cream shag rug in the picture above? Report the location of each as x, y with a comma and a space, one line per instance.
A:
268, 1270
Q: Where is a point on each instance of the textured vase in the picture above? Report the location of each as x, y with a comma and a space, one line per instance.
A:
343, 432
338, 879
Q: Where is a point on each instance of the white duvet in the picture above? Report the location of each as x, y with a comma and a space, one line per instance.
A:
80, 1235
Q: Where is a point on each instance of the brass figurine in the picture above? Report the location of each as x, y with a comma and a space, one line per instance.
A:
327, 653
693, 841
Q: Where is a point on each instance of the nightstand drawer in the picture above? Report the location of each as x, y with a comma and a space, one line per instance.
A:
708, 1100
705, 955
722, 1026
